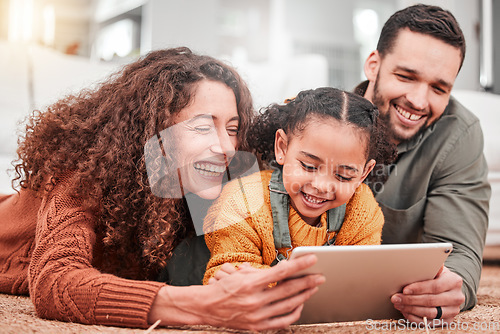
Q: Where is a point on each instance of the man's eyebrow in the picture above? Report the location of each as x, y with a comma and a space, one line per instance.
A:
445, 84
406, 69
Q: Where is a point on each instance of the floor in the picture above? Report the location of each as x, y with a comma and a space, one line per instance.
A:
17, 315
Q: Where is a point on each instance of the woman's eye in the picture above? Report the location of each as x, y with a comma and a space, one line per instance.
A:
307, 167
203, 129
233, 131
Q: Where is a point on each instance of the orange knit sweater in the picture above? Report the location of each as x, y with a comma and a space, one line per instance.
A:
50, 246
241, 225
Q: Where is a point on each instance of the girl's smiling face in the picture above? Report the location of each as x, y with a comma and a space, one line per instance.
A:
323, 164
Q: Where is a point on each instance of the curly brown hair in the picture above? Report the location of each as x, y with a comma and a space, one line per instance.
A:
99, 135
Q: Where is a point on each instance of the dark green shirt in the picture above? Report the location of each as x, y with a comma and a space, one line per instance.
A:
437, 191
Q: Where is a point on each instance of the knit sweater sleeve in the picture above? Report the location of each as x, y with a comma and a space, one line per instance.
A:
236, 228
63, 283
363, 220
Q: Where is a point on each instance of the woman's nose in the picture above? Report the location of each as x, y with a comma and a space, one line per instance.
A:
224, 144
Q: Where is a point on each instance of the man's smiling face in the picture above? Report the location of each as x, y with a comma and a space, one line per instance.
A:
411, 84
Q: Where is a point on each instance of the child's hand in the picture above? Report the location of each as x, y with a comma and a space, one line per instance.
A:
227, 269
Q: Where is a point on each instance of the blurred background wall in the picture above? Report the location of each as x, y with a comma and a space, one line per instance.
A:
49, 48
240, 30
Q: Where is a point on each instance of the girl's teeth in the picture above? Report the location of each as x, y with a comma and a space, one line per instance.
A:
312, 199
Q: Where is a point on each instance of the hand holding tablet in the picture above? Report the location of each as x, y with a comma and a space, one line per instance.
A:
360, 280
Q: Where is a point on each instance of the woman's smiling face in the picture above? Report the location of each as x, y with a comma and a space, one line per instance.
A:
323, 165
205, 136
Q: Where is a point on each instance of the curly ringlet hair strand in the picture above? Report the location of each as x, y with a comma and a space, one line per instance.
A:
99, 136
429, 20
322, 104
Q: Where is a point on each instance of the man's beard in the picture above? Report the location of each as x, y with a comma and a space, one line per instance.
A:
385, 116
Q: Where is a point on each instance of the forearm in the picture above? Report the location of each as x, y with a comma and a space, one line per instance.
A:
87, 296
192, 305
64, 284
469, 268
241, 299
178, 306
457, 211
460, 216
462, 220
466, 257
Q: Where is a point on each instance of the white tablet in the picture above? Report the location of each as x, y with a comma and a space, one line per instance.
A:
360, 280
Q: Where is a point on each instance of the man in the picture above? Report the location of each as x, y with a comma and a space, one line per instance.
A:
437, 189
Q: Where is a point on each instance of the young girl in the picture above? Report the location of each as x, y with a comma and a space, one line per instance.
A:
325, 142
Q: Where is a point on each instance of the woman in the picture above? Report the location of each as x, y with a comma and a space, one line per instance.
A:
88, 233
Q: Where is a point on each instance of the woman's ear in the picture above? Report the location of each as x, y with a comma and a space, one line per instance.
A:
280, 146
372, 65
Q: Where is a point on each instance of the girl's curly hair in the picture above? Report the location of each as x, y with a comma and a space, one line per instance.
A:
98, 136
326, 102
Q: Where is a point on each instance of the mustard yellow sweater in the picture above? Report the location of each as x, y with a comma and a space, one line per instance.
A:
240, 224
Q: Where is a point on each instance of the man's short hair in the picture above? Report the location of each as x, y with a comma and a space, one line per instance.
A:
425, 19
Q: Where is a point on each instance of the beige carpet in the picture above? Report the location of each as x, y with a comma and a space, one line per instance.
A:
17, 315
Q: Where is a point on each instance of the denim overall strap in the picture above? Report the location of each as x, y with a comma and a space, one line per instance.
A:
280, 209
335, 219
